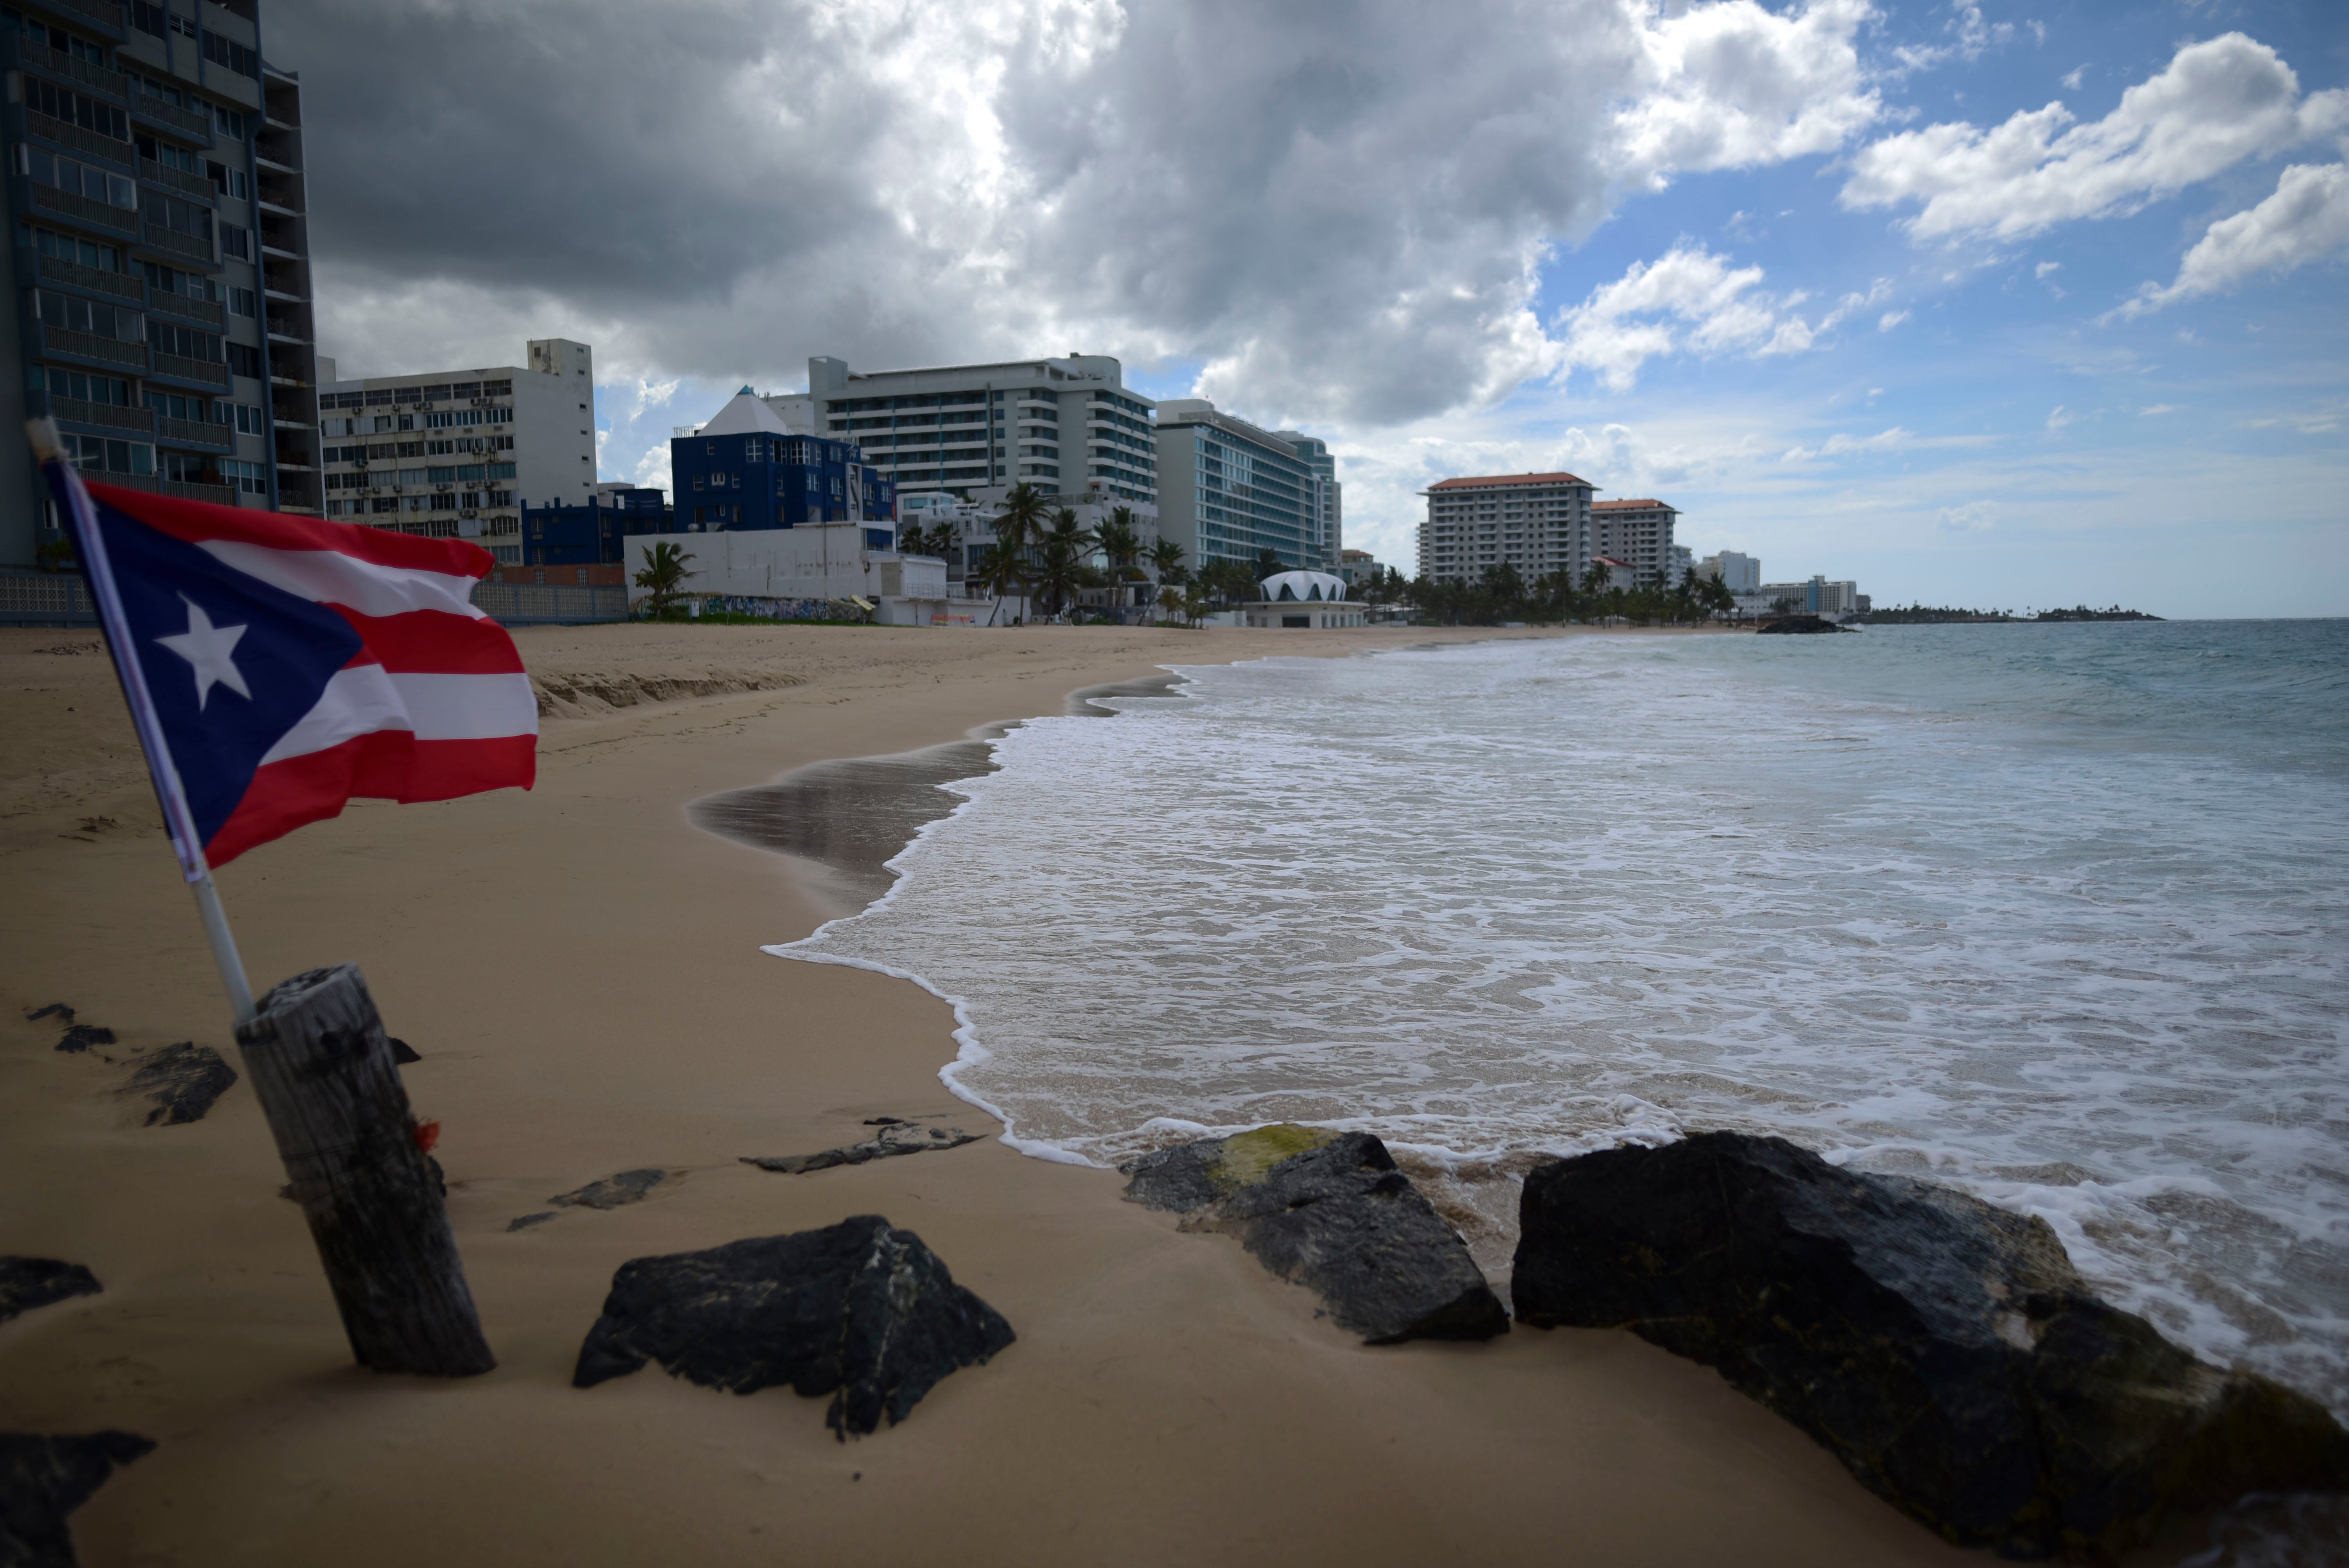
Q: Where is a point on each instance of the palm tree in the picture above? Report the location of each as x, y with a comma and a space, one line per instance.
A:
1167, 556
1061, 568
664, 572
1001, 570
1269, 563
1021, 522
1170, 601
1117, 540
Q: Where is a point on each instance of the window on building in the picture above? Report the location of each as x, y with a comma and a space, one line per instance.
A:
244, 359
75, 109
96, 454
86, 181
236, 242
242, 302
225, 52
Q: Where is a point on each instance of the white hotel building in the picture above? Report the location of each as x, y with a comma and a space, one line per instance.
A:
455, 453
1066, 425
1538, 523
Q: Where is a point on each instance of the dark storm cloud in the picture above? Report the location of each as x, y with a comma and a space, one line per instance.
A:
1337, 205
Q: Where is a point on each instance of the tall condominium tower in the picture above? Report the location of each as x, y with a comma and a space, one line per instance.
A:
453, 454
1538, 523
1639, 533
160, 258
1228, 491
1067, 425
1328, 506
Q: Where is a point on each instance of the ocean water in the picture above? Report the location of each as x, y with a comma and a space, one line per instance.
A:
2056, 913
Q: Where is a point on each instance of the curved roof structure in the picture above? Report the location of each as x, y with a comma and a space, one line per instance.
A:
1303, 586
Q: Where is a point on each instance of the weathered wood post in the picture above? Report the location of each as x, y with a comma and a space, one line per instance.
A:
321, 1064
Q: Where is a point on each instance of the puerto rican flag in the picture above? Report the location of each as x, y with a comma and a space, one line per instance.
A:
292, 663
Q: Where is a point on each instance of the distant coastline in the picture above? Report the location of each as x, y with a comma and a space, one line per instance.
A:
1920, 614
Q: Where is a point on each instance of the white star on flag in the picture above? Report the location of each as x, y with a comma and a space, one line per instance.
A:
208, 647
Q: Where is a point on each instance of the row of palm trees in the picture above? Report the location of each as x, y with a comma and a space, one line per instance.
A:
1042, 552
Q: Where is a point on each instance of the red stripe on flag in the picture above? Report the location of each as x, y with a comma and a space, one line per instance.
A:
446, 768
434, 642
199, 521
300, 790
390, 765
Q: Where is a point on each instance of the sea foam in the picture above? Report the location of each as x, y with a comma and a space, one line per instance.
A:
2054, 913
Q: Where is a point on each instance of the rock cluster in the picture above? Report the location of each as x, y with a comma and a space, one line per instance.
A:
1944, 1349
898, 1136
859, 1310
184, 1080
1332, 1212
29, 1282
43, 1479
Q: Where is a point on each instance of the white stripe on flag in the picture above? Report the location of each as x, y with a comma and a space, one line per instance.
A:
357, 701
364, 699
328, 576
468, 707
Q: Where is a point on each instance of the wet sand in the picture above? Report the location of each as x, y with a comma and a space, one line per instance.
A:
579, 967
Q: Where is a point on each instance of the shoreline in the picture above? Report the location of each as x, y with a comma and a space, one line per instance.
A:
577, 968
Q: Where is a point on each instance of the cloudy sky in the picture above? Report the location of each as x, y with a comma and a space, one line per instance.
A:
1976, 303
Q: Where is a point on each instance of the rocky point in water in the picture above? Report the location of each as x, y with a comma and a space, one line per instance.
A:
1944, 1349
859, 1310
1331, 1211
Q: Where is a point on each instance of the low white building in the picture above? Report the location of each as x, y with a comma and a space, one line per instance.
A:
816, 563
1312, 601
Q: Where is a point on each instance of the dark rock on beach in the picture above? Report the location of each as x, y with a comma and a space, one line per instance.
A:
1332, 1212
1944, 1349
29, 1282
44, 1479
1799, 626
402, 1053
184, 1080
80, 1037
57, 1009
898, 1136
859, 1310
613, 1192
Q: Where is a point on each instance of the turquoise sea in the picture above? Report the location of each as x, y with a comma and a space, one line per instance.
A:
2059, 913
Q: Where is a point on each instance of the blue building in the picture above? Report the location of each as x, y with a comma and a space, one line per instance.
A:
746, 469
591, 533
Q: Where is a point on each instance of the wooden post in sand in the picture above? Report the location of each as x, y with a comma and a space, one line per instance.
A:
321, 1064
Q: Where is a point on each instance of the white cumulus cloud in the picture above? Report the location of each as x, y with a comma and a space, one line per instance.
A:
2216, 104
2306, 220
1972, 517
1839, 445
1688, 299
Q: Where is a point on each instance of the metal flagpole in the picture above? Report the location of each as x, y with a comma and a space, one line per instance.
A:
178, 820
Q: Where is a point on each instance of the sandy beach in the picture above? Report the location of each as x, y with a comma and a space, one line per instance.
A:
579, 968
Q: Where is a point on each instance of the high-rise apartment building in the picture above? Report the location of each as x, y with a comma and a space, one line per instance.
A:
1740, 574
1327, 506
1639, 531
1067, 425
160, 258
455, 453
1538, 523
1228, 491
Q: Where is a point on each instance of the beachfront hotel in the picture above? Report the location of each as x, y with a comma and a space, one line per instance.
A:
1229, 491
453, 454
1640, 532
1538, 523
1326, 506
161, 259
1067, 425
